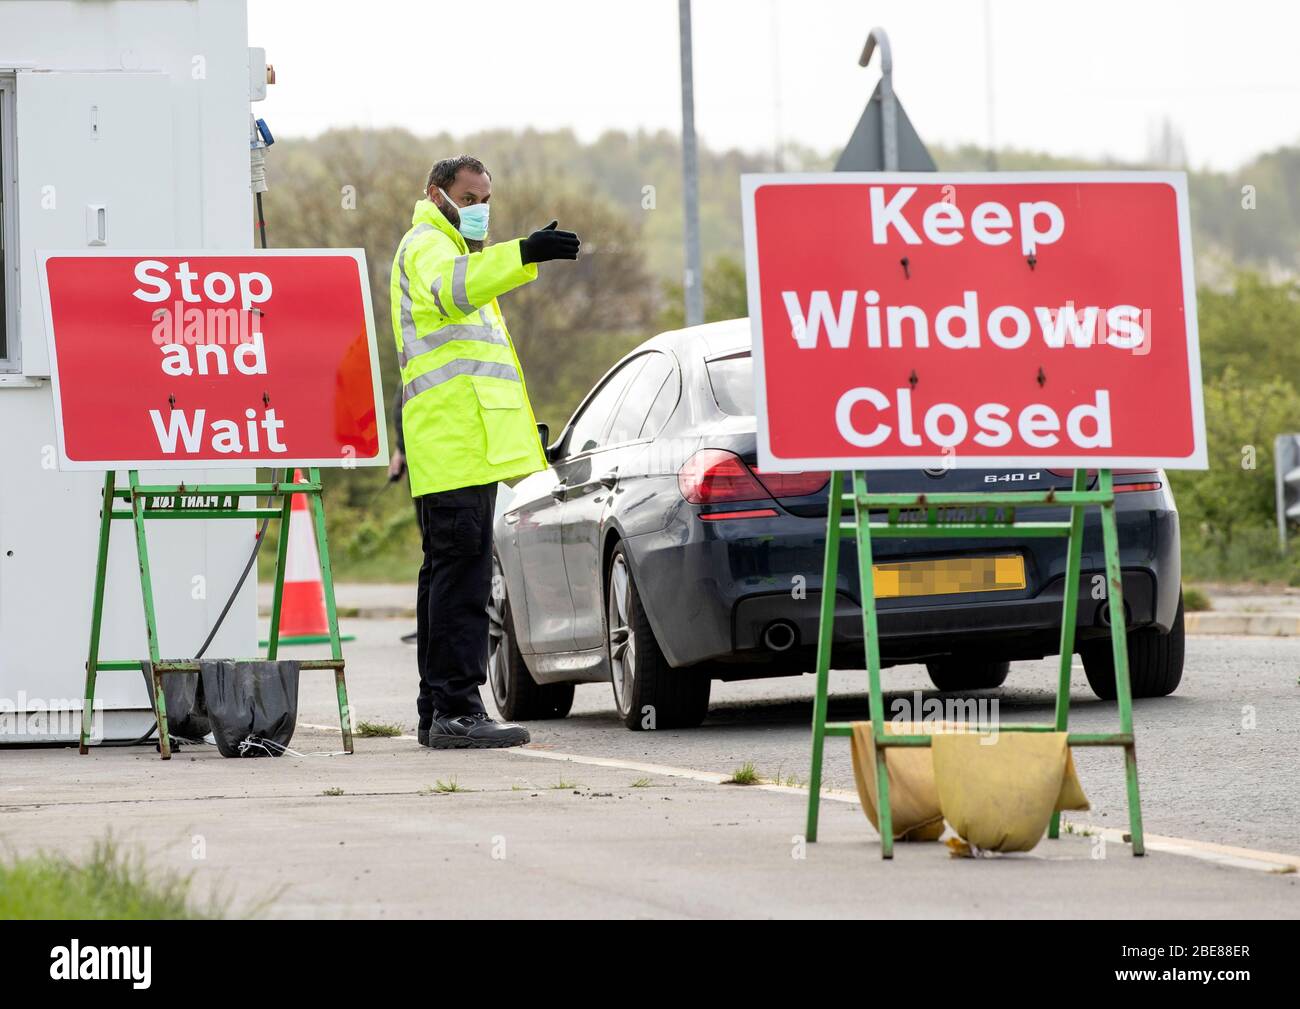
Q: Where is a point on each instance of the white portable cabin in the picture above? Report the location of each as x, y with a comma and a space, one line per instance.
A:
123, 123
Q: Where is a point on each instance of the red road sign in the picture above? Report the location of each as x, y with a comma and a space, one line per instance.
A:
973, 320
172, 360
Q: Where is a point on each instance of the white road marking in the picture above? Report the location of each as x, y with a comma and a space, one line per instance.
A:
1206, 851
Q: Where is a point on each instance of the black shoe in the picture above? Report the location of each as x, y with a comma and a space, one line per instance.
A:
471, 732
422, 734
410, 639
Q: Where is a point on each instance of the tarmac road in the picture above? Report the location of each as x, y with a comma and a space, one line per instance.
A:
1217, 760
592, 820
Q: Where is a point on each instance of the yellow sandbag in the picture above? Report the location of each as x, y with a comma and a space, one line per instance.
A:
913, 798
999, 792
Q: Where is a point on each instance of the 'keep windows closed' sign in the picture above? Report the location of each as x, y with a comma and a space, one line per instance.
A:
905, 320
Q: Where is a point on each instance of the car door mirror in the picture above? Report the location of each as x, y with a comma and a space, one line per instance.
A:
552, 452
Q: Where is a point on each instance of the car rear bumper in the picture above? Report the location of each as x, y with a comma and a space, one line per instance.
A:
1024, 628
711, 590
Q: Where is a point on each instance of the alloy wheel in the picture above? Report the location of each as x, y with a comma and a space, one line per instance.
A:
622, 642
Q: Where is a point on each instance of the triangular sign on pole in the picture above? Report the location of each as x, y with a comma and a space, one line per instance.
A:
865, 151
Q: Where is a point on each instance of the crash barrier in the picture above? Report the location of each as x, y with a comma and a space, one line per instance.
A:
210, 501
964, 515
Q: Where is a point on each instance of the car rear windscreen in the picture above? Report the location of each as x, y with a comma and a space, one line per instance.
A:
732, 379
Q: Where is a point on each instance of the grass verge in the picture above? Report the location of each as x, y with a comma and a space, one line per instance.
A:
109, 884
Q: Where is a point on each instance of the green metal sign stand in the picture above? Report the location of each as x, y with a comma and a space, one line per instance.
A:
976, 514
182, 501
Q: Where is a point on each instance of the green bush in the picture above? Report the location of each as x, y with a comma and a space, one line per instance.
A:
1253, 329
1252, 555
1237, 492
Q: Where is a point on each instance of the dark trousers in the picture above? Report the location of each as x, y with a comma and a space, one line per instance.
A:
451, 602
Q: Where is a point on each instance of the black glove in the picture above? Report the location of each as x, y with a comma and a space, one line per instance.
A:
547, 244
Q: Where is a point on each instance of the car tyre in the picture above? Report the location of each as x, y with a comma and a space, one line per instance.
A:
1155, 661
518, 696
952, 673
648, 692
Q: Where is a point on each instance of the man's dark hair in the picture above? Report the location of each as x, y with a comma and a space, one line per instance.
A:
444, 172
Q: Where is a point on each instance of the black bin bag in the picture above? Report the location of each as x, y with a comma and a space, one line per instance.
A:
187, 714
250, 702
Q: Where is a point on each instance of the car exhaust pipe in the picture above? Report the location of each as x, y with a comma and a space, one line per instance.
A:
1103, 615
779, 636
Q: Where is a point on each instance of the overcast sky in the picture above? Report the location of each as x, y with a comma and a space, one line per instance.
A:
1085, 78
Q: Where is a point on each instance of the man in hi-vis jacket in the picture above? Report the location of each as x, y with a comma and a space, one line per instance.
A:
466, 423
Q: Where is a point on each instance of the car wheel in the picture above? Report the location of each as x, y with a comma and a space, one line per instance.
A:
648, 692
517, 694
952, 673
1155, 661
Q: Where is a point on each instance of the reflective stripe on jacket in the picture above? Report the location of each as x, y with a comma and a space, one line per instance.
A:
466, 418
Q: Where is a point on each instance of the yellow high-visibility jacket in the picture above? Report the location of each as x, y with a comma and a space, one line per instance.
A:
466, 418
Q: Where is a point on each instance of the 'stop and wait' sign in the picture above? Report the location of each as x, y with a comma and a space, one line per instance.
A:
174, 360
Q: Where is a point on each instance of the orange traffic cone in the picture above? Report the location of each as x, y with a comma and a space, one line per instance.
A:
303, 620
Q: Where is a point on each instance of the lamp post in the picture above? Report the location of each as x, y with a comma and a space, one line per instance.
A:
692, 279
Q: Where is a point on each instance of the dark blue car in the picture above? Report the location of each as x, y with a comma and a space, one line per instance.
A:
653, 554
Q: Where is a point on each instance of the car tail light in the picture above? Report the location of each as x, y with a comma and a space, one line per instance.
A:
792, 484
1093, 472
1120, 485
712, 476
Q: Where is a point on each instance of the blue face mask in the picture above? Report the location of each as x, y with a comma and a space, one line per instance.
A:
473, 219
